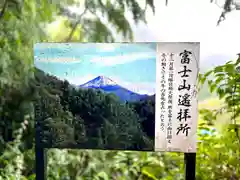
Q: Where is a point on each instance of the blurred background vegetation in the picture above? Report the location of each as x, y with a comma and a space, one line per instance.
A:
23, 23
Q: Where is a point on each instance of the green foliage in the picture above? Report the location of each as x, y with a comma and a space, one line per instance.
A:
226, 85
113, 22
23, 23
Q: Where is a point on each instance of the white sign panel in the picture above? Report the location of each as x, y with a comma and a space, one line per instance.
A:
176, 96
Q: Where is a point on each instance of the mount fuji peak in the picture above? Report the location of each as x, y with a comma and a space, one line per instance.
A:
99, 81
107, 85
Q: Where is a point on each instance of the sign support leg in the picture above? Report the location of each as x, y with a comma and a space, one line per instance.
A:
41, 163
190, 166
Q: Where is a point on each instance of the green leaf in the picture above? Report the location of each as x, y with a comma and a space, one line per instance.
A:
213, 88
203, 79
208, 73
229, 68
218, 69
219, 79
237, 62
151, 171
210, 82
220, 93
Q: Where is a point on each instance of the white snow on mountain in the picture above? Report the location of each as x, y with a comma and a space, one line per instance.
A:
109, 86
137, 87
99, 81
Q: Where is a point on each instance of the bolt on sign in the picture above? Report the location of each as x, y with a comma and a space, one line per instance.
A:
117, 96
176, 111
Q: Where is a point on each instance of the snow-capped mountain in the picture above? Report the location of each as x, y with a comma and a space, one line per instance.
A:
109, 86
99, 82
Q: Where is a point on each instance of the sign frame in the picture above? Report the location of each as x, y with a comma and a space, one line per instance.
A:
41, 159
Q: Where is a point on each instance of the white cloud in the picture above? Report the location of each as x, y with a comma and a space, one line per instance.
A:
189, 20
57, 60
106, 47
122, 59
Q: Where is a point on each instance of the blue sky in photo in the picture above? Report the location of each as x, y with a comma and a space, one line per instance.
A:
130, 65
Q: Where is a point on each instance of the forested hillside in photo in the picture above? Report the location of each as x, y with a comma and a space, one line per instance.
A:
91, 119
28, 95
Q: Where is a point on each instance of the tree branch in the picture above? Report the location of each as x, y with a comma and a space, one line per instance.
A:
75, 25
3, 9
226, 9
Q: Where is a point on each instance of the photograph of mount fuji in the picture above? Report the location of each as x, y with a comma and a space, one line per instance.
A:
95, 95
